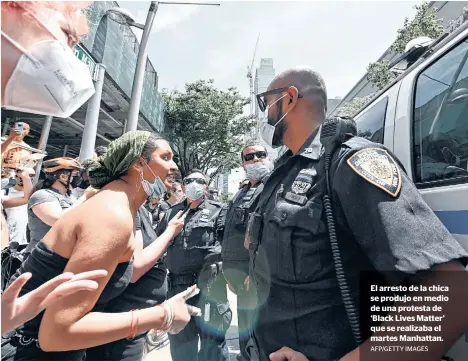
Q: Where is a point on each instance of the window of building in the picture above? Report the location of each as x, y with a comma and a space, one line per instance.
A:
371, 124
440, 120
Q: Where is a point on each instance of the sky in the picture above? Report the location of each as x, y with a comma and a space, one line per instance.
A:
336, 38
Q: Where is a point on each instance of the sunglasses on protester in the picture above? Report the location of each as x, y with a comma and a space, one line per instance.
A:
191, 180
261, 100
260, 155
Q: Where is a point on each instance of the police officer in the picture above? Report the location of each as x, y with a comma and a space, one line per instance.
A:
213, 194
382, 225
235, 255
194, 257
173, 196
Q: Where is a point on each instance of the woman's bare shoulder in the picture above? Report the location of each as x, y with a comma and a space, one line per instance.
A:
106, 209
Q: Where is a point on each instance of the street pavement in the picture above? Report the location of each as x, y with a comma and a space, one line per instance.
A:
232, 337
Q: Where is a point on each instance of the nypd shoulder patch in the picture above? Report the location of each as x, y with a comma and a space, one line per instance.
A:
377, 167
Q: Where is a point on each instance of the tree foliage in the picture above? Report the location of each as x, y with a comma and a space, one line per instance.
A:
206, 127
425, 23
351, 108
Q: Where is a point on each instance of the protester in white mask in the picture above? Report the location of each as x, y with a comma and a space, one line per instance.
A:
40, 73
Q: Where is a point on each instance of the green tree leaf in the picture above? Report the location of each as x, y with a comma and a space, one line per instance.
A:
206, 127
425, 23
351, 108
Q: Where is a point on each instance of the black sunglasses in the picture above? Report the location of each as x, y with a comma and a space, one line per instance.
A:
191, 180
260, 155
261, 97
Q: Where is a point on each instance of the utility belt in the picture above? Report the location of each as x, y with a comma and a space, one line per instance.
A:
186, 279
205, 277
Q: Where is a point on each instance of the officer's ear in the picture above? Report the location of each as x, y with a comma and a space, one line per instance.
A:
292, 97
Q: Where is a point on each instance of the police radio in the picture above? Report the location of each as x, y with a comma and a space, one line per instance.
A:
334, 132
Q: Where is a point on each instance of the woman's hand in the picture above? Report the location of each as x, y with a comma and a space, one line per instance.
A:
177, 223
182, 312
287, 354
16, 311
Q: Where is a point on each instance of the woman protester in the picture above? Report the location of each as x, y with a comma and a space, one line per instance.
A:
100, 233
148, 286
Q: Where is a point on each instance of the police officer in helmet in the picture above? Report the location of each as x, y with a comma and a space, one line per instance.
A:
382, 227
194, 257
234, 254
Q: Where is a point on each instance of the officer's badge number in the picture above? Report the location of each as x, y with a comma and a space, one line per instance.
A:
377, 167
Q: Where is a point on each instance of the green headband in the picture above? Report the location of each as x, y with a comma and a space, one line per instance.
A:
121, 155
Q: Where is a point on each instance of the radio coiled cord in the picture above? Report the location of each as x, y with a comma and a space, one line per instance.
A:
351, 310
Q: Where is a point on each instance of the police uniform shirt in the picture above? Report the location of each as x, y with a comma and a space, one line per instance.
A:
237, 215
382, 224
200, 237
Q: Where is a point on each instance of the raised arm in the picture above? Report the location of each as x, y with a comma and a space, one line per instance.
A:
146, 258
10, 202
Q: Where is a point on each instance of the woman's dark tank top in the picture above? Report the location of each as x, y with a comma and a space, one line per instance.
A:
151, 288
45, 264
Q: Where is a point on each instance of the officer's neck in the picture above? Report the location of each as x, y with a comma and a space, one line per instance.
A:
195, 204
295, 136
253, 182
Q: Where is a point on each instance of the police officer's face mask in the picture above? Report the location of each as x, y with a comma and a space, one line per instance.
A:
257, 171
272, 134
194, 191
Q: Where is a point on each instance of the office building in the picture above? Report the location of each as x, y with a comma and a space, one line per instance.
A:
263, 77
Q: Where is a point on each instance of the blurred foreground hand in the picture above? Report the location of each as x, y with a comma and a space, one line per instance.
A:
16, 311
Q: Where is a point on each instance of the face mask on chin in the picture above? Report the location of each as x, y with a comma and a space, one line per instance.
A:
155, 190
48, 79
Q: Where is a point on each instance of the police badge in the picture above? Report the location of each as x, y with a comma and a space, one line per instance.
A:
301, 186
205, 215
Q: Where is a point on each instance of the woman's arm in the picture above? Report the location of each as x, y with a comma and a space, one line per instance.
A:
49, 211
146, 258
69, 324
10, 202
13, 134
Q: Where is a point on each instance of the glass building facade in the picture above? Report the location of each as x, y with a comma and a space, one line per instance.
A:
116, 47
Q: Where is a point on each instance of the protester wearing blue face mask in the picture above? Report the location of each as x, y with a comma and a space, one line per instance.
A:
148, 285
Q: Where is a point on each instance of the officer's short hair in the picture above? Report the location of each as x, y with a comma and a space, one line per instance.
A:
308, 82
252, 144
197, 171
